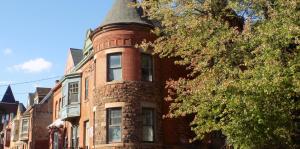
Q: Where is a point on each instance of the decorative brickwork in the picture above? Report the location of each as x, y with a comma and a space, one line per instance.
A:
120, 36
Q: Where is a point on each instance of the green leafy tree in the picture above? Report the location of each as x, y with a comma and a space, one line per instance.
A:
243, 59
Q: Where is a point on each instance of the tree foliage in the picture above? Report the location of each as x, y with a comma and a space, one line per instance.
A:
244, 62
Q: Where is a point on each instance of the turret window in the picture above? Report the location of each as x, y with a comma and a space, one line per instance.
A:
147, 67
114, 117
114, 67
148, 124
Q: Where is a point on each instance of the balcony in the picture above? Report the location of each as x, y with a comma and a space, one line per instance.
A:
70, 111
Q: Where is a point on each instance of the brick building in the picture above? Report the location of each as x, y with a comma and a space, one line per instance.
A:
112, 93
30, 126
14, 126
71, 104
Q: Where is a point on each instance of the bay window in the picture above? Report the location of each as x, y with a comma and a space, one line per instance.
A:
73, 92
70, 103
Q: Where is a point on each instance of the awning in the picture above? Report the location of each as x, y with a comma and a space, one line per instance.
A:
56, 124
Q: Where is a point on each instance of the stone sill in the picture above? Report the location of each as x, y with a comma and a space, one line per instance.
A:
125, 144
115, 82
123, 82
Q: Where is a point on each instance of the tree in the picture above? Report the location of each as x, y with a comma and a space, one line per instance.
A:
243, 59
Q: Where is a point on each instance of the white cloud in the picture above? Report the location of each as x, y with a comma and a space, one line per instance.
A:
34, 66
7, 51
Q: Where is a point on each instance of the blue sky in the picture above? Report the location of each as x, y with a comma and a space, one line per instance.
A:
35, 37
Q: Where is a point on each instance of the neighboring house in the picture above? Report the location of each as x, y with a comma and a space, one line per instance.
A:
69, 112
8, 110
112, 93
33, 133
14, 126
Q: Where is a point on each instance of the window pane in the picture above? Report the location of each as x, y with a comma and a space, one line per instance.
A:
148, 134
148, 124
115, 74
114, 124
115, 61
114, 134
114, 67
146, 61
148, 117
73, 92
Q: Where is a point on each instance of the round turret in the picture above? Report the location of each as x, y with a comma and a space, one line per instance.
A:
127, 96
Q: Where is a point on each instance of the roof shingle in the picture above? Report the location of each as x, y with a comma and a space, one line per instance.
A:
122, 13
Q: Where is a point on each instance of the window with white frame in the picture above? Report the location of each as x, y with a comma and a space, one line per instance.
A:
146, 67
114, 67
148, 124
25, 127
73, 92
114, 120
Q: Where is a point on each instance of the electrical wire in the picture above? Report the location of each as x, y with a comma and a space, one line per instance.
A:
28, 82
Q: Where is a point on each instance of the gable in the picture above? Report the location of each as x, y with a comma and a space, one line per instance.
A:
74, 57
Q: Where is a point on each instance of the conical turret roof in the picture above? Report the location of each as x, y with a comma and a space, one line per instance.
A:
8, 96
122, 13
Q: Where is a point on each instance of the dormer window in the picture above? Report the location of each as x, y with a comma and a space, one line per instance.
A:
114, 67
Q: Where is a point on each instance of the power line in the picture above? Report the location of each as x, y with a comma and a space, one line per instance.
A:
28, 82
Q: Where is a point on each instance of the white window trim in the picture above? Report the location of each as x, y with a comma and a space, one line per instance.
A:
22, 132
110, 106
